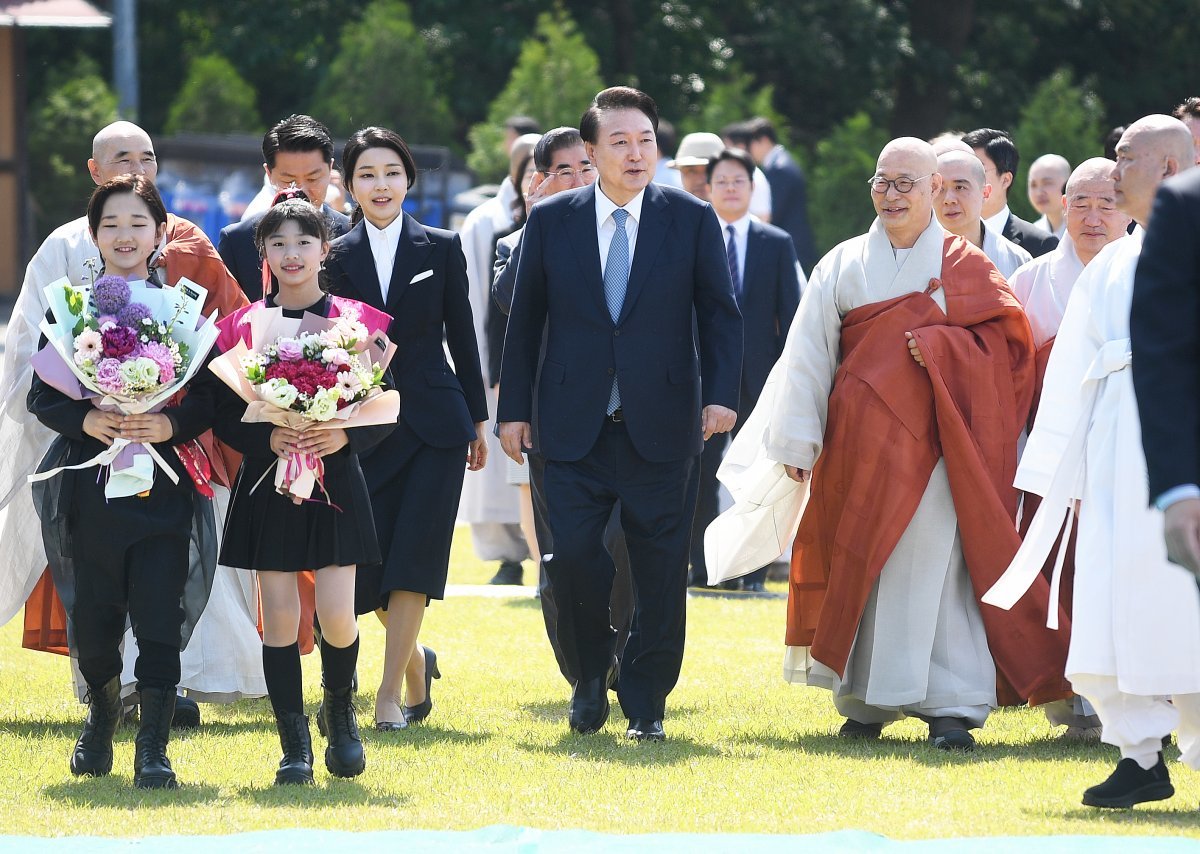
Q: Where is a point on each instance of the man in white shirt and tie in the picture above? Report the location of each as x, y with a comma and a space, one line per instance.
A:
767, 280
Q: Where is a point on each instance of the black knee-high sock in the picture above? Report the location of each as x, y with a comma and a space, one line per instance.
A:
281, 668
337, 664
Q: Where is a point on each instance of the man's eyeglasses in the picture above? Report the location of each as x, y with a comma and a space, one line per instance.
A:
880, 185
736, 183
585, 174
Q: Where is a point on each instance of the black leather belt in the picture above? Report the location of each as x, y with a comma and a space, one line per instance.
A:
616, 416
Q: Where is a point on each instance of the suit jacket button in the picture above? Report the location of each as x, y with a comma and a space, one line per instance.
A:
611, 371
616, 332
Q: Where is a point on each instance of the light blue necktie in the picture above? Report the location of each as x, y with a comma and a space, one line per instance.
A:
616, 282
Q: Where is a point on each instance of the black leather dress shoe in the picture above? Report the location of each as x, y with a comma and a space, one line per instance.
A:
645, 729
589, 701
187, 713
1130, 784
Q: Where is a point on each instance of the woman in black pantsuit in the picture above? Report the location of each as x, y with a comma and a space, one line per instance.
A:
419, 276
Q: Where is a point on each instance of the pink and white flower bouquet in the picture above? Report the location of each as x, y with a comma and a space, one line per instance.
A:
308, 373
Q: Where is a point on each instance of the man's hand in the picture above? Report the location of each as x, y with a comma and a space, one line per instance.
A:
101, 425
477, 451
914, 350
1181, 528
536, 194
798, 475
516, 436
148, 427
717, 419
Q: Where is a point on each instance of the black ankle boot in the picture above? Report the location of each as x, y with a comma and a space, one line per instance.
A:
151, 767
295, 768
93, 754
338, 722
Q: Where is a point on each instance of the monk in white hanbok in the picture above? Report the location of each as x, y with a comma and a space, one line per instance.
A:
222, 661
1043, 286
1135, 633
880, 399
959, 208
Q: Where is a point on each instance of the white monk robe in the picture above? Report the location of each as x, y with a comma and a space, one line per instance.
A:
1006, 255
920, 647
223, 659
1044, 285
1135, 626
487, 497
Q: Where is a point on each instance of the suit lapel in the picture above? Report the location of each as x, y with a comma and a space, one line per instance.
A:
580, 223
412, 254
652, 230
359, 264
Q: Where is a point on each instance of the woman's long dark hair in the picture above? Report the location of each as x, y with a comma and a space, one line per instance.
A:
374, 137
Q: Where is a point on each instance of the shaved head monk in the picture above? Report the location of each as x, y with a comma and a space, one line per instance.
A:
911, 507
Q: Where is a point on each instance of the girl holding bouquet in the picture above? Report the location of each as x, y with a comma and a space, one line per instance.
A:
280, 534
119, 558
418, 275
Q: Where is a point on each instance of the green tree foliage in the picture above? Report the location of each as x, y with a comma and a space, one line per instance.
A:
554, 80
214, 99
1059, 118
733, 99
76, 104
380, 74
839, 199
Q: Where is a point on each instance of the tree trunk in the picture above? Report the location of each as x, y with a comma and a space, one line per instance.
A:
927, 76
623, 25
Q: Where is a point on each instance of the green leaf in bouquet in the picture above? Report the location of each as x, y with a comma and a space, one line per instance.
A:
80, 325
75, 301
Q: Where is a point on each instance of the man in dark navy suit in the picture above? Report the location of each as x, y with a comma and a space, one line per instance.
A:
629, 283
998, 154
297, 152
766, 281
1164, 329
789, 194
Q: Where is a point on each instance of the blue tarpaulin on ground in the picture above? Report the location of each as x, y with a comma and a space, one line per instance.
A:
523, 840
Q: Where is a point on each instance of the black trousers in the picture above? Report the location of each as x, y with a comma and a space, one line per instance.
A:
154, 572
620, 601
657, 502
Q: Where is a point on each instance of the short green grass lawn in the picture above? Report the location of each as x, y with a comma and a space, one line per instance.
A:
746, 753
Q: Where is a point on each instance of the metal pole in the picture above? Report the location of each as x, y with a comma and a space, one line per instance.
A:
125, 60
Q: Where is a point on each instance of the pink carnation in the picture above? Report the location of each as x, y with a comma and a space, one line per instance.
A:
108, 376
161, 356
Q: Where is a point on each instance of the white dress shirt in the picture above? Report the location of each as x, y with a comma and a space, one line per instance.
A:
997, 221
741, 235
606, 226
383, 247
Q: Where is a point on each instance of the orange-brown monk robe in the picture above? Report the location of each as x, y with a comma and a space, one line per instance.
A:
889, 422
188, 255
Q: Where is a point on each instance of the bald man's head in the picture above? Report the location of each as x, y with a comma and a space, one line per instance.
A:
949, 141
1151, 149
959, 205
1090, 202
1047, 177
911, 163
122, 148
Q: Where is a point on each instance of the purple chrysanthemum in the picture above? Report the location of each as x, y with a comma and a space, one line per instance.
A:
133, 314
111, 294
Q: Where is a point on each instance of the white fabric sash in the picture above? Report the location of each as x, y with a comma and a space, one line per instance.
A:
132, 480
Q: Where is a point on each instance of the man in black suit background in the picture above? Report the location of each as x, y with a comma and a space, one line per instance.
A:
297, 152
1164, 328
766, 282
789, 195
998, 153
617, 276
